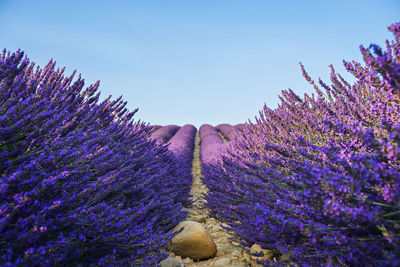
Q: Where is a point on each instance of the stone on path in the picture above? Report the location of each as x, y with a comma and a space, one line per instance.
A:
193, 241
171, 262
187, 260
199, 218
236, 254
222, 262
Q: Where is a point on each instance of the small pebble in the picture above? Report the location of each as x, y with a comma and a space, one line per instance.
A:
187, 260
219, 253
170, 262
199, 219
222, 262
236, 254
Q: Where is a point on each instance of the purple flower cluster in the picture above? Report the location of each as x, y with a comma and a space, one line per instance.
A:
318, 178
80, 182
181, 145
164, 133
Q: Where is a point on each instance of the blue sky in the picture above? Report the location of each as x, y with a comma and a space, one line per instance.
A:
196, 61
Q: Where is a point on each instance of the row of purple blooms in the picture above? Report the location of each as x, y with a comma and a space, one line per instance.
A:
318, 178
81, 183
180, 142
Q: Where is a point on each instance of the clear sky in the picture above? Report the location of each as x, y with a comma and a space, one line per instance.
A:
196, 62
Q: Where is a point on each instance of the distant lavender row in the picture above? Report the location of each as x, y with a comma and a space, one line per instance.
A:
239, 127
182, 144
211, 146
318, 178
155, 127
227, 130
182, 147
164, 133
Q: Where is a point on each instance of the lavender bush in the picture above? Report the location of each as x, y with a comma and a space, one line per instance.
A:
181, 146
227, 130
211, 147
155, 127
239, 127
164, 133
80, 182
318, 178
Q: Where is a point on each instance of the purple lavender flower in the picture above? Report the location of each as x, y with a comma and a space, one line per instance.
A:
318, 178
80, 181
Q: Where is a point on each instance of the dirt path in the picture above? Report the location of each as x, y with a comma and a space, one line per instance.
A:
228, 253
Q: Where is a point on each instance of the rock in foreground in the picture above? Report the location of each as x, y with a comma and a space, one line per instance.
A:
193, 241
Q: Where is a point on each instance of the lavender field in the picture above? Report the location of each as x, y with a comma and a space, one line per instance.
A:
314, 182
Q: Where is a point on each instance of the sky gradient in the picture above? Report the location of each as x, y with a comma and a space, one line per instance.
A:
196, 62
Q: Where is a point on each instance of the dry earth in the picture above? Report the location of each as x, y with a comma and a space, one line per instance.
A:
228, 253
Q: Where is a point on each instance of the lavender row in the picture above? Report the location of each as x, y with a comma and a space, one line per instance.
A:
227, 130
239, 127
155, 127
211, 146
212, 151
80, 181
181, 145
318, 178
164, 133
